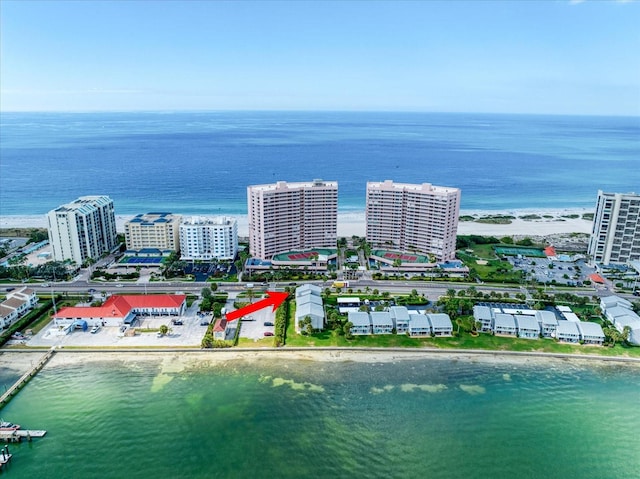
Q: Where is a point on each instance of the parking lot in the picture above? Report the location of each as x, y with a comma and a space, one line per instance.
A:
561, 272
253, 326
189, 333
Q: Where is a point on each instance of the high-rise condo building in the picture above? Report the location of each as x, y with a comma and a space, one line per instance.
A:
82, 229
417, 217
615, 237
203, 238
292, 216
153, 230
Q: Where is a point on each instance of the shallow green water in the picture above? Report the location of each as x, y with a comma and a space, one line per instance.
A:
419, 418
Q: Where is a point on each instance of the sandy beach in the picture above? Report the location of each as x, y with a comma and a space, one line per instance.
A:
353, 223
179, 360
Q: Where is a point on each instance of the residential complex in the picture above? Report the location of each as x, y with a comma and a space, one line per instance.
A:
82, 229
16, 305
203, 238
153, 230
413, 217
519, 320
615, 237
292, 216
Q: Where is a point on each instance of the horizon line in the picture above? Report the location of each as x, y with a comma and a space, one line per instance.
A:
248, 110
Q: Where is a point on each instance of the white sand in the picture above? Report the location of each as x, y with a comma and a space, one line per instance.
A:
178, 360
353, 223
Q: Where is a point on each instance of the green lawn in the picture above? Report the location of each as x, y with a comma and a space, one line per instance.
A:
465, 341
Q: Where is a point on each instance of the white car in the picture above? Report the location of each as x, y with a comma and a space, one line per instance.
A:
95, 329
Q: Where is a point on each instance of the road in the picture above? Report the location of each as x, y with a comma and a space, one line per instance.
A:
430, 289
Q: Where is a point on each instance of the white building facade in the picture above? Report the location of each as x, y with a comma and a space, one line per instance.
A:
292, 216
206, 239
82, 229
615, 236
419, 217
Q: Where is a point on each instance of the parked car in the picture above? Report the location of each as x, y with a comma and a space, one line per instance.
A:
268, 323
268, 333
95, 329
248, 318
177, 322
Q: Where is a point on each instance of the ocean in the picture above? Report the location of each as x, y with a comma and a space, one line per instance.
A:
273, 417
202, 162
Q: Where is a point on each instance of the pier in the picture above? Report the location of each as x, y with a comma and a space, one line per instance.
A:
6, 397
19, 435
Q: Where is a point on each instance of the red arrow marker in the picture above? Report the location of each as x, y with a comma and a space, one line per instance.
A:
273, 299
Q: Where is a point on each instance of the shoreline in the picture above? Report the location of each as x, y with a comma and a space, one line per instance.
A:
333, 354
353, 222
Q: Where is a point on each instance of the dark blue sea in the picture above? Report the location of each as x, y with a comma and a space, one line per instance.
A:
202, 162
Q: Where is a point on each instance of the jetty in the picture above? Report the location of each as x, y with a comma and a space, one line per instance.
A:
6, 397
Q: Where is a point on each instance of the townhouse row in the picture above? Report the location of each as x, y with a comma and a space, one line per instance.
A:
620, 312
17, 304
507, 320
399, 318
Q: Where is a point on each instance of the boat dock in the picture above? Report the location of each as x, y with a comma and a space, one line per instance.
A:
18, 435
5, 456
6, 397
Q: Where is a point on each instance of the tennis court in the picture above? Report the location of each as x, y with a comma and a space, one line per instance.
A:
514, 251
308, 255
404, 257
141, 260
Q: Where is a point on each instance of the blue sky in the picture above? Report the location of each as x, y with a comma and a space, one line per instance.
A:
555, 56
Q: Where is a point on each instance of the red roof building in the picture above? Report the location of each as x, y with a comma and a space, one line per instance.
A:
118, 310
550, 251
220, 330
596, 278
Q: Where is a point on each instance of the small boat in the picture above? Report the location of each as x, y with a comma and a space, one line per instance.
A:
7, 426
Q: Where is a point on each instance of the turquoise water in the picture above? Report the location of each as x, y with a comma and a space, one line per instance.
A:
202, 162
430, 418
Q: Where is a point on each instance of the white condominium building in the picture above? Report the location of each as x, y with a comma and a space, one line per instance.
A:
418, 217
615, 237
292, 216
84, 228
203, 238
153, 230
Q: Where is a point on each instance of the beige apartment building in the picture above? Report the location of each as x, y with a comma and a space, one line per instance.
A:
82, 229
615, 237
292, 216
153, 230
413, 217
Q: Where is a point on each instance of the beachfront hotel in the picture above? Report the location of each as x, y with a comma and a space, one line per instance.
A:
413, 217
204, 238
153, 230
615, 237
82, 229
292, 216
